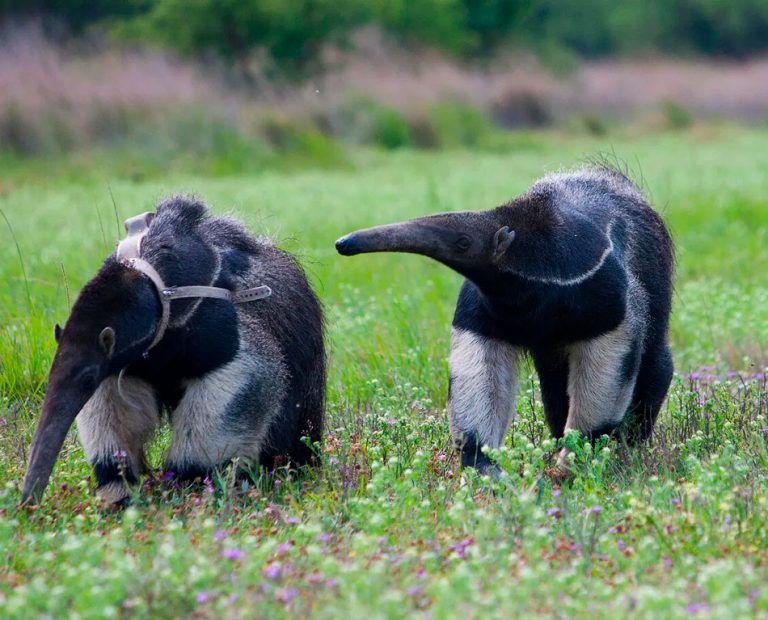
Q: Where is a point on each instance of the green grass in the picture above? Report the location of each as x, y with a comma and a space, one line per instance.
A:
390, 527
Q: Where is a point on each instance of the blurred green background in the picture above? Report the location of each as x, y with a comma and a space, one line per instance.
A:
292, 34
227, 86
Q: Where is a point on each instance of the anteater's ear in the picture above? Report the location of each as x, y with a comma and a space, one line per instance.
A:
184, 212
56, 332
501, 241
107, 341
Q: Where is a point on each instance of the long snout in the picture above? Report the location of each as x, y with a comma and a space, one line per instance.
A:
401, 237
348, 245
59, 412
363, 242
429, 236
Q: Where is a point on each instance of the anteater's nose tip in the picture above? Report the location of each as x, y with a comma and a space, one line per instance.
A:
345, 245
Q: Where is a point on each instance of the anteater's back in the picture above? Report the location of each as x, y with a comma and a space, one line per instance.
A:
604, 195
292, 316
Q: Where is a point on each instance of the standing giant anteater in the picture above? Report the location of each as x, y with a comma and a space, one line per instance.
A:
194, 316
577, 271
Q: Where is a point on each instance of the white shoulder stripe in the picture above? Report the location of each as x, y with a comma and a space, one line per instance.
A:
576, 279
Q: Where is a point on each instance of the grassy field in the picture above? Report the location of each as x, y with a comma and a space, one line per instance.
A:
390, 527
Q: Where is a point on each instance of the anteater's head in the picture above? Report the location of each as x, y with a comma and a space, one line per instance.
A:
111, 324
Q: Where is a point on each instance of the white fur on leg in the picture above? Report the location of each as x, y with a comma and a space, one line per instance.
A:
114, 427
483, 386
113, 492
598, 394
108, 423
200, 433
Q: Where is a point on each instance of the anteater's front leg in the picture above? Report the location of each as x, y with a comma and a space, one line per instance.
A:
114, 426
481, 398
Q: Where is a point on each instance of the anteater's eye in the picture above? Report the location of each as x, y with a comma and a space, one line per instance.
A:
86, 380
463, 243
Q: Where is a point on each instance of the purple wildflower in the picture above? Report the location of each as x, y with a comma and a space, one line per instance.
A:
323, 537
414, 590
331, 583
167, 476
667, 562
282, 548
292, 521
271, 510
201, 597
219, 535
620, 544
286, 595
461, 548
555, 492
315, 578
694, 608
231, 554
273, 571
553, 512
752, 597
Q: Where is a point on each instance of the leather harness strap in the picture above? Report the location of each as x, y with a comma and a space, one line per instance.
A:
129, 253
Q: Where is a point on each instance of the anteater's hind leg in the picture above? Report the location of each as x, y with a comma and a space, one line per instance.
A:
114, 426
481, 396
601, 380
293, 435
650, 390
552, 368
225, 414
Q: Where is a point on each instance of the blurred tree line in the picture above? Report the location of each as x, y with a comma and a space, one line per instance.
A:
291, 33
